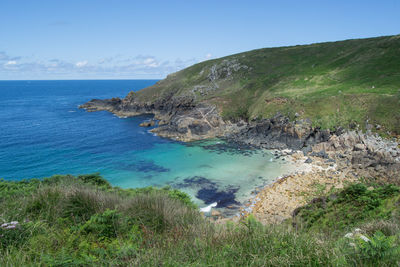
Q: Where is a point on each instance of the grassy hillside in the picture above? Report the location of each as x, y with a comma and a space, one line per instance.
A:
333, 83
83, 221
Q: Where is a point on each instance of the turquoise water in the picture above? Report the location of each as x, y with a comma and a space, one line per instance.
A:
44, 133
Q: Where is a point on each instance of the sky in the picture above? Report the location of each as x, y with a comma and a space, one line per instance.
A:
148, 39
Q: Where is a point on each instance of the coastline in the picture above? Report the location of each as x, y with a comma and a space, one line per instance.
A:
326, 160
308, 178
342, 160
277, 201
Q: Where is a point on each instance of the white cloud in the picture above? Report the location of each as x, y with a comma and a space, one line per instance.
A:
208, 56
11, 63
81, 64
151, 62
140, 66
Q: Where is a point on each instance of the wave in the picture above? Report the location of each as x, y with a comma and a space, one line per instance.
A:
209, 207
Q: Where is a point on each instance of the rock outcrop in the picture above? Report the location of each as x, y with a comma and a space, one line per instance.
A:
148, 123
179, 117
369, 155
280, 133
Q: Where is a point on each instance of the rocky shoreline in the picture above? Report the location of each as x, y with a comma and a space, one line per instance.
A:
183, 119
333, 157
179, 118
347, 158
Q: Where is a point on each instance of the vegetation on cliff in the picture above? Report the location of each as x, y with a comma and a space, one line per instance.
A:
81, 221
334, 84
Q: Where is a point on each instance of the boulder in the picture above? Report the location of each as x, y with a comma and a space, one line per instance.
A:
359, 147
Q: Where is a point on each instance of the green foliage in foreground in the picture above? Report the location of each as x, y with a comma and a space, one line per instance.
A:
83, 221
350, 207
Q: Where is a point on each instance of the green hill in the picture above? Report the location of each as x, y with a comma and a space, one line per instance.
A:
334, 84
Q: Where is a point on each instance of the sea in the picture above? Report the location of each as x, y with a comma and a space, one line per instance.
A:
43, 133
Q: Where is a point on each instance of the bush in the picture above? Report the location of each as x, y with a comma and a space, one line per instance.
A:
373, 251
95, 179
104, 225
352, 205
181, 196
19, 234
379, 247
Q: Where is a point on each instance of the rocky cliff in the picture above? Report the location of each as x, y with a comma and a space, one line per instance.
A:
179, 117
289, 97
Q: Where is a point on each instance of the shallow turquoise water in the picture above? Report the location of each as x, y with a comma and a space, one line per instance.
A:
44, 133
175, 162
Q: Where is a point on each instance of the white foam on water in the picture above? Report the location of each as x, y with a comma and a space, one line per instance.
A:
209, 207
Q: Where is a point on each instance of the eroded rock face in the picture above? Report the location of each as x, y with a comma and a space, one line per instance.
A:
369, 155
280, 133
198, 123
179, 117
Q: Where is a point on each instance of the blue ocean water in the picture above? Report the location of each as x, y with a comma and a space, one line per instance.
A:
43, 133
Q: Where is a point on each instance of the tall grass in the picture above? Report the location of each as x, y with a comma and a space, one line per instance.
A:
72, 222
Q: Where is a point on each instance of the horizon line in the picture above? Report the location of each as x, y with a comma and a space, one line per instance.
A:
8, 80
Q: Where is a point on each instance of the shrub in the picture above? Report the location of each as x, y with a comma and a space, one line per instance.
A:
104, 225
19, 234
374, 250
379, 247
181, 196
95, 179
352, 205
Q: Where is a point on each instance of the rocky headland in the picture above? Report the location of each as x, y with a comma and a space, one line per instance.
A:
300, 99
325, 159
178, 118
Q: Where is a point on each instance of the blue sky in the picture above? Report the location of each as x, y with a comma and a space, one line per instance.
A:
117, 39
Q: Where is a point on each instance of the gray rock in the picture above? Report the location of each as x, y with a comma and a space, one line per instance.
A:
306, 150
280, 133
320, 154
359, 147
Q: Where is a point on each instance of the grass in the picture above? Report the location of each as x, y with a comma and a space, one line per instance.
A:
348, 208
83, 221
334, 83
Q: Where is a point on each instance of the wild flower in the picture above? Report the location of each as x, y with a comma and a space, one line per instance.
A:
10, 225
